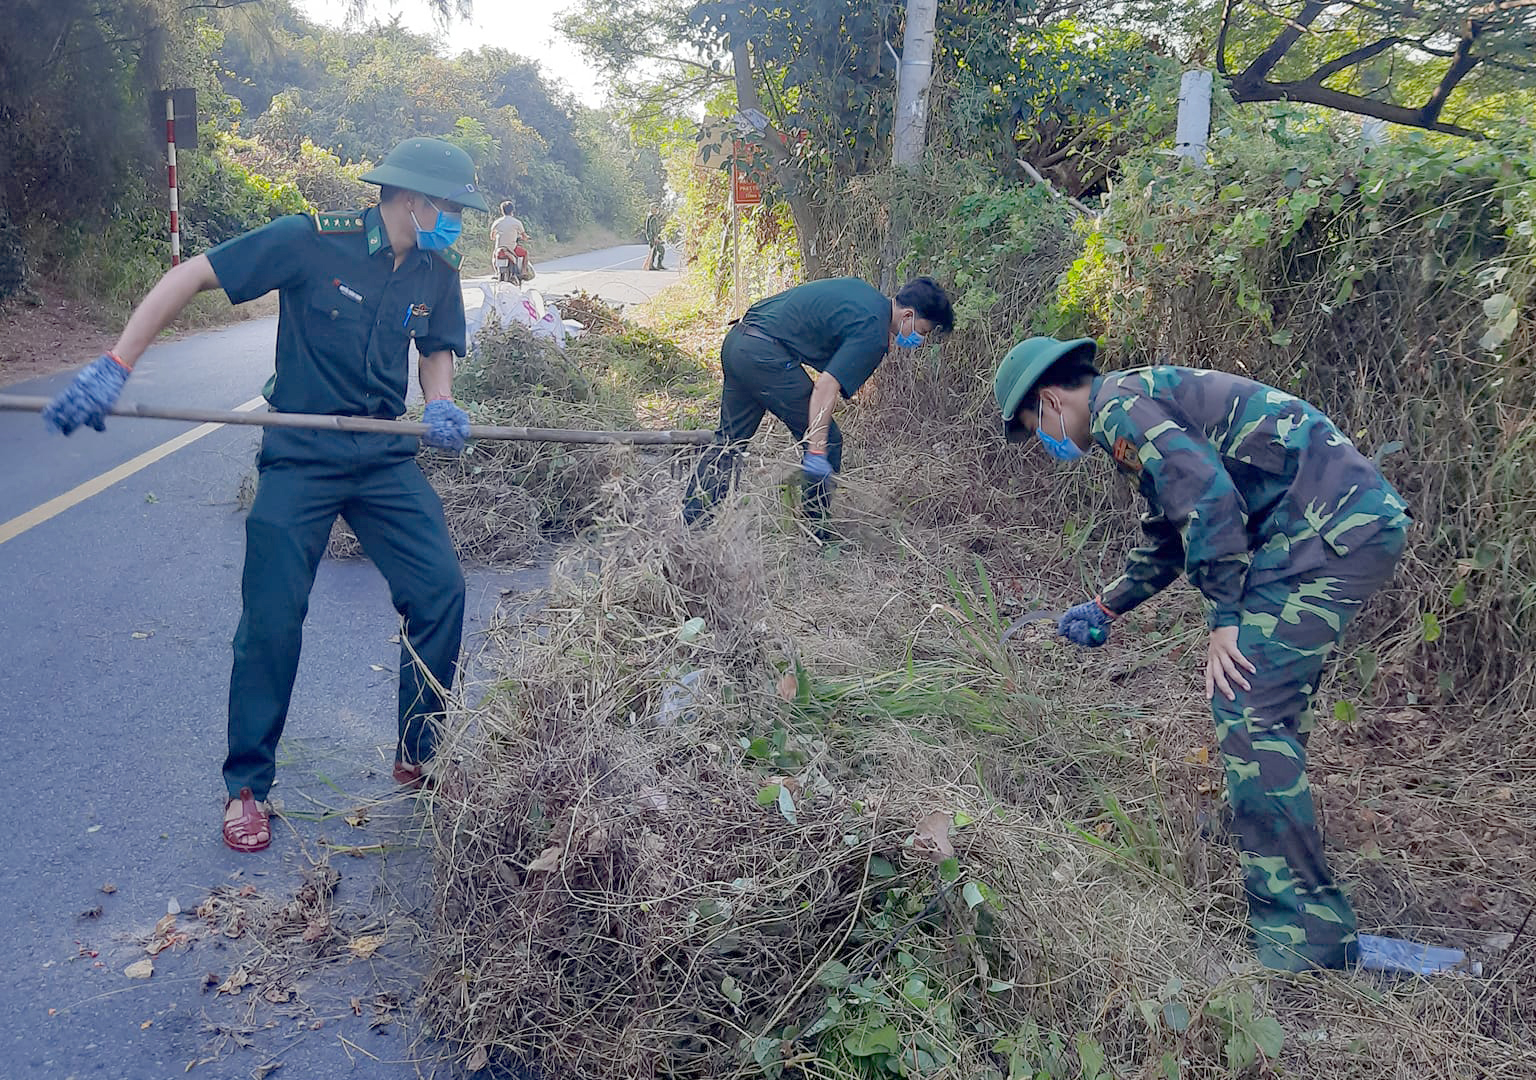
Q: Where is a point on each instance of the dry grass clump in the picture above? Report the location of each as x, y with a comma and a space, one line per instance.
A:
741, 806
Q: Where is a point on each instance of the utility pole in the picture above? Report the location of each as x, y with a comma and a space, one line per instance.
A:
914, 71
912, 77
1194, 124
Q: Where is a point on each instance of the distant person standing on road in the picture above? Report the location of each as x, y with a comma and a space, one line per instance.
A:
355, 290
507, 232
655, 223
841, 327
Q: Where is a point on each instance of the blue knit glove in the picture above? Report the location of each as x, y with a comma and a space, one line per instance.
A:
89, 398
448, 424
1086, 624
816, 467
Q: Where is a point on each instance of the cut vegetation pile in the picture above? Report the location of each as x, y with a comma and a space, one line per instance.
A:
742, 806
503, 500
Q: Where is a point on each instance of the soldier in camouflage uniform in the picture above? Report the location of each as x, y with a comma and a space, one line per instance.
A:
1286, 530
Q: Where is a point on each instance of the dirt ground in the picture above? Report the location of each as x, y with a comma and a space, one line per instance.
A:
56, 334
60, 332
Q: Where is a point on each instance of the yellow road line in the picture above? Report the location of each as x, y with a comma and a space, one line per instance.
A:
34, 517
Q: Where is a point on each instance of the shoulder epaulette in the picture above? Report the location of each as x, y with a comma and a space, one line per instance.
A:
451, 257
339, 222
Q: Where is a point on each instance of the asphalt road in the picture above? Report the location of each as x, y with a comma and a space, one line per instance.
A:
117, 613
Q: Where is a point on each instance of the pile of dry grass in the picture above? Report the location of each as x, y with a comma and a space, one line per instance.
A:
741, 806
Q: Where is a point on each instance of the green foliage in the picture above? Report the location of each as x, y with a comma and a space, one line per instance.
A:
1391, 289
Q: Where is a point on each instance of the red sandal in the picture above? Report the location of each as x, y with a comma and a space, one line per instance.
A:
252, 830
410, 776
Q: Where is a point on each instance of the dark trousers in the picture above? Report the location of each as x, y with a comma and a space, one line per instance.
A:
761, 376
306, 479
1298, 916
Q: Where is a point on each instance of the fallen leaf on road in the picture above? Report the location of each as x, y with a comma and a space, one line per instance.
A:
140, 969
109, 888
365, 946
931, 837
478, 1059
548, 860
275, 994
238, 980
318, 928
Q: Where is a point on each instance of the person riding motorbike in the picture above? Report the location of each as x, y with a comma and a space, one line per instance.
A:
508, 238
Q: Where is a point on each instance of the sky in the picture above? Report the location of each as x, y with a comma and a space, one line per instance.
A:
524, 27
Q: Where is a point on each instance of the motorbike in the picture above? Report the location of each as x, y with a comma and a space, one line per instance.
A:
512, 265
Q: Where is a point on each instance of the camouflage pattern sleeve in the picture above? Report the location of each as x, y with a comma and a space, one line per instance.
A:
1183, 479
1149, 569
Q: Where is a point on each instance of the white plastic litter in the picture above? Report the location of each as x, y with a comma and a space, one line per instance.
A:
1397, 956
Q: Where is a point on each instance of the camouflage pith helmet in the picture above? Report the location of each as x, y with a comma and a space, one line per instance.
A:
1025, 363
432, 167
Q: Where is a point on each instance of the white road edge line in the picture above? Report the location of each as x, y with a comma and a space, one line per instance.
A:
10, 530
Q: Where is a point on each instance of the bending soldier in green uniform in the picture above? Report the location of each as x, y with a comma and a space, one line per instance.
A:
1286, 529
842, 327
355, 289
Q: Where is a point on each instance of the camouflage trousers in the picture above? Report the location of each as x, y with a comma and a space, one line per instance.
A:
1299, 918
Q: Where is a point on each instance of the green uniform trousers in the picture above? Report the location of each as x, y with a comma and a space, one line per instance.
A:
761, 376
1298, 916
306, 479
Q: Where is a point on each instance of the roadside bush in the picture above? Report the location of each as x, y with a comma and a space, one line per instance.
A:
1391, 288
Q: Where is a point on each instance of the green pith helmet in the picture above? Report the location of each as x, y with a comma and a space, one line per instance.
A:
1025, 363
432, 167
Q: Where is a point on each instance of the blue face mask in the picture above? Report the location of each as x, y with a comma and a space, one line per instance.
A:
442, 235
912, 340
1062, 449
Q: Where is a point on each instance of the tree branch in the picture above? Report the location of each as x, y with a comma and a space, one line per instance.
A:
1265, 62
1310, 93
1221, 37
1353, 57
1460, 68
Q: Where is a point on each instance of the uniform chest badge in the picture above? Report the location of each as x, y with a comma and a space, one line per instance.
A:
420, 310
1126, 456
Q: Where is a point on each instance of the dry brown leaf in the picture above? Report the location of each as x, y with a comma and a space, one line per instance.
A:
478, 1059
317, 929
1200, 756
365, 946
548, 861
140, 969
238, 980
789, 686
931, 837
276, 995
109, 888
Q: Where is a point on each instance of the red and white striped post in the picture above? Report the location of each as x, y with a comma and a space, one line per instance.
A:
170, 158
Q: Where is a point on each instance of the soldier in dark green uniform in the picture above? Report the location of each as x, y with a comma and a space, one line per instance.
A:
1286, 529
355, 290
841, 327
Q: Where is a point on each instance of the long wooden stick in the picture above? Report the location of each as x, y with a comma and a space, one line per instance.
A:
386, 427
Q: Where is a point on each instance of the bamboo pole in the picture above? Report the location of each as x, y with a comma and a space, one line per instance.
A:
377, 426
